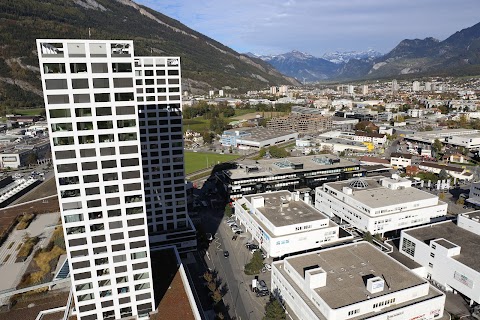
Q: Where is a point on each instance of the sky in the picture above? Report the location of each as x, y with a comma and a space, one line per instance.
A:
319, 26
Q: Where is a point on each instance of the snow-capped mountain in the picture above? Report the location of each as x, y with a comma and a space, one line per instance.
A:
343, 57
300, 65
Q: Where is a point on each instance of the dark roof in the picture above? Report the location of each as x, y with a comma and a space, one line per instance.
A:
401, 155
366, 134
441, 166
374, 159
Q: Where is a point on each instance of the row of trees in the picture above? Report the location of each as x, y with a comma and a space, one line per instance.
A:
274, 151
203, 109
216, 291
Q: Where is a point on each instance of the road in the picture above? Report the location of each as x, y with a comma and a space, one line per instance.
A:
242, 302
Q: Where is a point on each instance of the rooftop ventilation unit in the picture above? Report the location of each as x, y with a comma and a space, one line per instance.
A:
375, 285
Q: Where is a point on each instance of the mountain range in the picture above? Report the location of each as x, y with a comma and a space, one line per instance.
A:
459, 54
206, 63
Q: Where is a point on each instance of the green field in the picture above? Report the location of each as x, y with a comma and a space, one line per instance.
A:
199, 160
197, 124
29, 112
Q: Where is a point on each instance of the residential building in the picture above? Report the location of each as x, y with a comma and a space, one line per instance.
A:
255, 138
379, 204
301, 123
258, 176
89, 97
158, 86
375, 138
448, 253
364, 89
115, 127
400, 160
415, 86
354, 281
283, 223
455, 172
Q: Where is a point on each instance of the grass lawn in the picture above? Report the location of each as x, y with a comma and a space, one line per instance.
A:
29, 112
241, 112
198, 160
197, 124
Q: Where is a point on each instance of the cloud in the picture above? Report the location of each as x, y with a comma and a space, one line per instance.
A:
319, 26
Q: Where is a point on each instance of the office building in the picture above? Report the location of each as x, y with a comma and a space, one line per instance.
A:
250, 176
379, 204
448, 253
113, 118
283, 223
474, 195
354, 281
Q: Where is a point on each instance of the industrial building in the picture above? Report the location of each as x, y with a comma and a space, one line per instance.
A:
379, 204
354, 281
283, 223
255, 138
466, 138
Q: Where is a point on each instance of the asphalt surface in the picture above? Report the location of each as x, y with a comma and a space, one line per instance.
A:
241, 301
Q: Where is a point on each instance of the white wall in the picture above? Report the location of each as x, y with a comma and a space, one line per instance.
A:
444, 268
287, 240
331, 206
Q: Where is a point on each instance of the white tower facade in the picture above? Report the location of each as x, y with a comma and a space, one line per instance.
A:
91, 102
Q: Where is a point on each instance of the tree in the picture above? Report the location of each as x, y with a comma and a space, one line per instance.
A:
463, 121
255, 264
212, 286
208, 276
442, 175
207, 137
441, 196
216, 296
367, 236
428, 128
31, 159
274, 310
460, 201
277, 152
437, 146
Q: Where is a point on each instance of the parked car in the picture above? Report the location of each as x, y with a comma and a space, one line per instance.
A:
251, 246
262, 289
267, 267
232, 223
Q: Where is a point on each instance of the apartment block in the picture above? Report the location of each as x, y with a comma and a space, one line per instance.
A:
158, 89
115, 130
301, 123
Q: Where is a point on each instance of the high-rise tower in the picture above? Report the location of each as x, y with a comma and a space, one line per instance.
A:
116, 135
